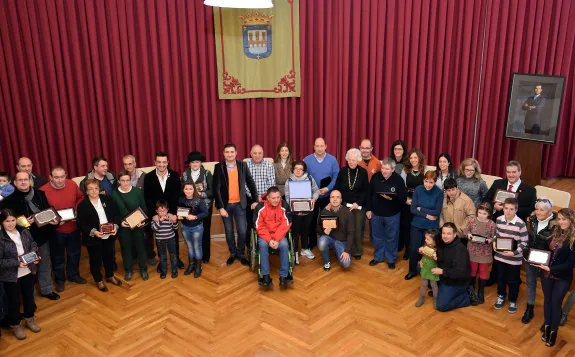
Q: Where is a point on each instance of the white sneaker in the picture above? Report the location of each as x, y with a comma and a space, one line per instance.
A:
296, 258
327, 266
308, 254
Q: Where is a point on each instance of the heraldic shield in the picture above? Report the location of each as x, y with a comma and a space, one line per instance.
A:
257, 40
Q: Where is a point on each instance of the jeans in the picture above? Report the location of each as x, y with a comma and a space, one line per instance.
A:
416, 241
193, 237
531, 273
44, 274
508, 275
166, 246
283, 250
451, 297
65, 252
22, 291
385, 232
325, 243
101, 252
554, 291
238, 215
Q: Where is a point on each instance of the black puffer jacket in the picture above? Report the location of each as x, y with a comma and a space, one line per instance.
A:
9, 261
537, 240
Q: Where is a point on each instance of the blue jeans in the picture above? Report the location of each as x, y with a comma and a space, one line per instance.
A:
238, 215
193, 237
283, 250
451, 297
65, 253
385, 237
416, 240
168, 245
325, 243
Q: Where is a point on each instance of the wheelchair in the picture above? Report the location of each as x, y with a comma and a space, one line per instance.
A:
254, 252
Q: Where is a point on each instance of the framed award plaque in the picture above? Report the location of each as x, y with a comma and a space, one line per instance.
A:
301, 205
46, 216
107, 228
29, 258
539, 257
136, 217
67, 214
329, 222
182, 212
477, 238
502, 195
505, 244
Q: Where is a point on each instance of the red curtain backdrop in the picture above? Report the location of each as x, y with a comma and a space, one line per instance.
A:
83, 78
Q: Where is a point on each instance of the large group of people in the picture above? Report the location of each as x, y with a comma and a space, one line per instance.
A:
433, 215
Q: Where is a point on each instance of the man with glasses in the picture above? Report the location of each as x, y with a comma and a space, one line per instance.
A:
368, 160
63, 193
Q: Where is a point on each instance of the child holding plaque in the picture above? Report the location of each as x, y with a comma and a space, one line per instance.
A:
480, 253
428, 261
509, 262
164, 227
193, 227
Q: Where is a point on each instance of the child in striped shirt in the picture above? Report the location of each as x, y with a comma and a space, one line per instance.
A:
509, 262
164, 226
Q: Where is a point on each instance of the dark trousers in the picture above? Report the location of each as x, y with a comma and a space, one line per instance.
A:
102, 253
554, 290
207, 237
131, 240
357, 247
405, 228
417, 240
319, 205
65, 253
451, 297
165, 247
20, 292
300, 228
149, 242
508, 275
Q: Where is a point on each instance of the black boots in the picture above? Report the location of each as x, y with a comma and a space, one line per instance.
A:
175, 265
546, 333
552, 338
471, 292
480, 291
198, 271
528, 315
191, 267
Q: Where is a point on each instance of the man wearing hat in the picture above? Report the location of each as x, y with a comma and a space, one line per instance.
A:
203, 180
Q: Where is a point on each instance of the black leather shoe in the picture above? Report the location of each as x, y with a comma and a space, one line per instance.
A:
52, 296
374, 262
144, 275
174, 273
230, 260
410, 276
266, 281
244, 261
528, 315
59, 286
190, 269
406, 257
285, 282
78, 280
552, 338
162, 275
180, 264
128, 276
391, 265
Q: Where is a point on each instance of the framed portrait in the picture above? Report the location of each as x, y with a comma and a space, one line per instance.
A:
534, 107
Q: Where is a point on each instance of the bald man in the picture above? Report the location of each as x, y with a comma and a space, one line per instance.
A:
25, 165
264, 175
339, 238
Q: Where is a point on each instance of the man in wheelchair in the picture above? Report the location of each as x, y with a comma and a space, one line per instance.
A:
272, 223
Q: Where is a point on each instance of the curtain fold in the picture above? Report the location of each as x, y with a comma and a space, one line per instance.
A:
84, 78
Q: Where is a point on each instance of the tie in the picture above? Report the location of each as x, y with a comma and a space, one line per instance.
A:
510, 189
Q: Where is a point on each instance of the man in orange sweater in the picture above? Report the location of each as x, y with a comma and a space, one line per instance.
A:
63, 193
272, 225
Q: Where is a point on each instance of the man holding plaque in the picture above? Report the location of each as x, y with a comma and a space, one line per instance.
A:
25, 165
272, 225
336, 226
63, 195
384, 206
100, 172
27, 201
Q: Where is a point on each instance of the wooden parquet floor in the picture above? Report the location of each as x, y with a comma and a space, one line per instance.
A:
367, 311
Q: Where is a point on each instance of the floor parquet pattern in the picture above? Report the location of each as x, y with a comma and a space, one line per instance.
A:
367, 311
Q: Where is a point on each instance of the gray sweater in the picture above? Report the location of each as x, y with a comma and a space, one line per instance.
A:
473, 188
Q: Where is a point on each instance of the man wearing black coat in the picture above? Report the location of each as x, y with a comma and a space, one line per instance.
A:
230, 179
162, 184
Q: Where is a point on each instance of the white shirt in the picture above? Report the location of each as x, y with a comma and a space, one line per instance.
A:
163, 179
101, 215
515, 186
122, 191
195, 175
17, 239
544, 223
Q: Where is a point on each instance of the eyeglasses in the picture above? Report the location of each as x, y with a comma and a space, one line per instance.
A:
21, 180
544, 200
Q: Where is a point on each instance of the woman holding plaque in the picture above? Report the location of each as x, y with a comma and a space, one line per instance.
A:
204, 183
556, 277
128, 199
17, 273
302, 220
282, 165
412, 174
95, 217
469, 180
192, 227
352, 181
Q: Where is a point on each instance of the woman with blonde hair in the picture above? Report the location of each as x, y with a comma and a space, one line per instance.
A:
469, 180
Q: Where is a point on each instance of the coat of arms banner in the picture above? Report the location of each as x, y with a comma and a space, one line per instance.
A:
258, 51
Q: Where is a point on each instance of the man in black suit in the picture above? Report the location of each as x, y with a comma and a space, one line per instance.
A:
230, 179
533, 107
526, 198
162, 184
526, 193
25, 165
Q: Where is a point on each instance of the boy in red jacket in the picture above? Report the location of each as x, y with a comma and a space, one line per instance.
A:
272, 225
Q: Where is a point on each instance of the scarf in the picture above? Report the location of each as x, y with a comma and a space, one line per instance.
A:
28, 198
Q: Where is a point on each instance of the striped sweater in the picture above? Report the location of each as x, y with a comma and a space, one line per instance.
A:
517, 230
164, 229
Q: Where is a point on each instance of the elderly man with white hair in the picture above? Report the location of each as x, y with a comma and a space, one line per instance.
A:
540, 225
353, 183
